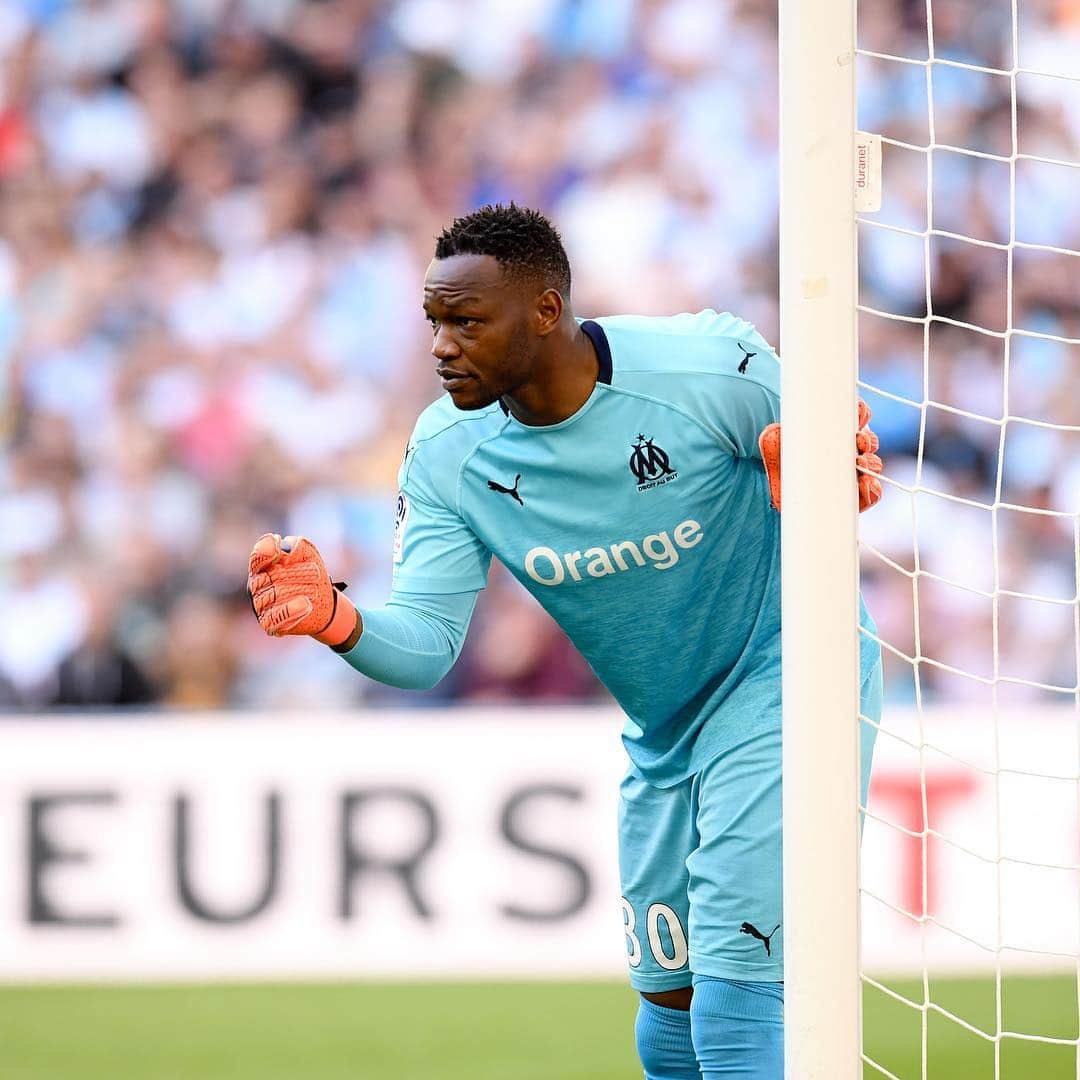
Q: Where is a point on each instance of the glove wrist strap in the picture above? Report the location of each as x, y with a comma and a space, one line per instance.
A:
342, 621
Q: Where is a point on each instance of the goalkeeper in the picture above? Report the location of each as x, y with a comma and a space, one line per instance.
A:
626, 470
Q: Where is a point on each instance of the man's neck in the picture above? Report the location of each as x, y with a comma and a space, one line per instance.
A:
563, 381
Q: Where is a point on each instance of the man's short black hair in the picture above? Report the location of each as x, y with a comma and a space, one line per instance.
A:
523, 242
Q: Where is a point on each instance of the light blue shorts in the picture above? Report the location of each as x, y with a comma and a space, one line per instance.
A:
701, 864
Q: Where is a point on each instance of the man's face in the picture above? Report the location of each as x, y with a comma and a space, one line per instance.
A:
482, 344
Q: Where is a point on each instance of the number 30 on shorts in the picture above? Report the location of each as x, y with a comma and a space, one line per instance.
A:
668, 961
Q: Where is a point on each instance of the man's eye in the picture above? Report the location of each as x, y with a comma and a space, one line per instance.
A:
465, 322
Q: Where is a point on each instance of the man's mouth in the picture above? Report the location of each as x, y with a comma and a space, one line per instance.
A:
452, 379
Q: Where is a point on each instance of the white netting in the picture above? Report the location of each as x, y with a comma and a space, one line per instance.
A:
970, 358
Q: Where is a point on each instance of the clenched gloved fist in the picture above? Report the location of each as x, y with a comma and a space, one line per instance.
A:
292, 593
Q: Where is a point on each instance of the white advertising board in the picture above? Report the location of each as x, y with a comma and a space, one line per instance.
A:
423, 845
479, 843
971, 851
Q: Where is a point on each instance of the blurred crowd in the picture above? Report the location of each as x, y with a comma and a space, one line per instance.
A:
214, 220
1003, 341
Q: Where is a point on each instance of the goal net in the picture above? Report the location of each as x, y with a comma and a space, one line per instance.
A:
966, 313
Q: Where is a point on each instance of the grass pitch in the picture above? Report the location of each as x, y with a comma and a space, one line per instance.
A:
469, 1031
1030, 1005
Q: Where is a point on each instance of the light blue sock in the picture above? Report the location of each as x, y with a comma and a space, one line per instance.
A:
664, 1044
738, 1029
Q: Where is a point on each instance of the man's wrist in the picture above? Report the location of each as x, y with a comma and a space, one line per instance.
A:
350, 642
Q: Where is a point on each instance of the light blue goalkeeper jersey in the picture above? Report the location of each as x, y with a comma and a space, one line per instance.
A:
642, 524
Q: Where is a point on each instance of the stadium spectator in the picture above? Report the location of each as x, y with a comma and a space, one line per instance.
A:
98, 672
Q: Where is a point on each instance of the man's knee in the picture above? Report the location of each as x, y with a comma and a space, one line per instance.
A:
672, 999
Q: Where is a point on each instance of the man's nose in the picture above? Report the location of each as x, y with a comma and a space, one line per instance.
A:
443, 347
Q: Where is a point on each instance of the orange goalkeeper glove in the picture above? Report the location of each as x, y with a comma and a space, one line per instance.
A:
292, 593
867, 463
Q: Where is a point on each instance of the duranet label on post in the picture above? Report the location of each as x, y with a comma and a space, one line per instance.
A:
867, 172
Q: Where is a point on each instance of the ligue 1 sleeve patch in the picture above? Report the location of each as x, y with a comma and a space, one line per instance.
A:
400, 521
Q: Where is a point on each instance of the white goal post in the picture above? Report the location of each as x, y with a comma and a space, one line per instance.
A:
820, 560
1020, 271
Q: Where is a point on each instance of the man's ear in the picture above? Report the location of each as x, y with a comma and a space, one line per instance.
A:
548, 311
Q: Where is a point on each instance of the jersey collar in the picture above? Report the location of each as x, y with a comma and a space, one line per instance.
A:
603, 349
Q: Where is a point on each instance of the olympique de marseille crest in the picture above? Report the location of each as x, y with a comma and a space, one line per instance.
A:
650, 464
